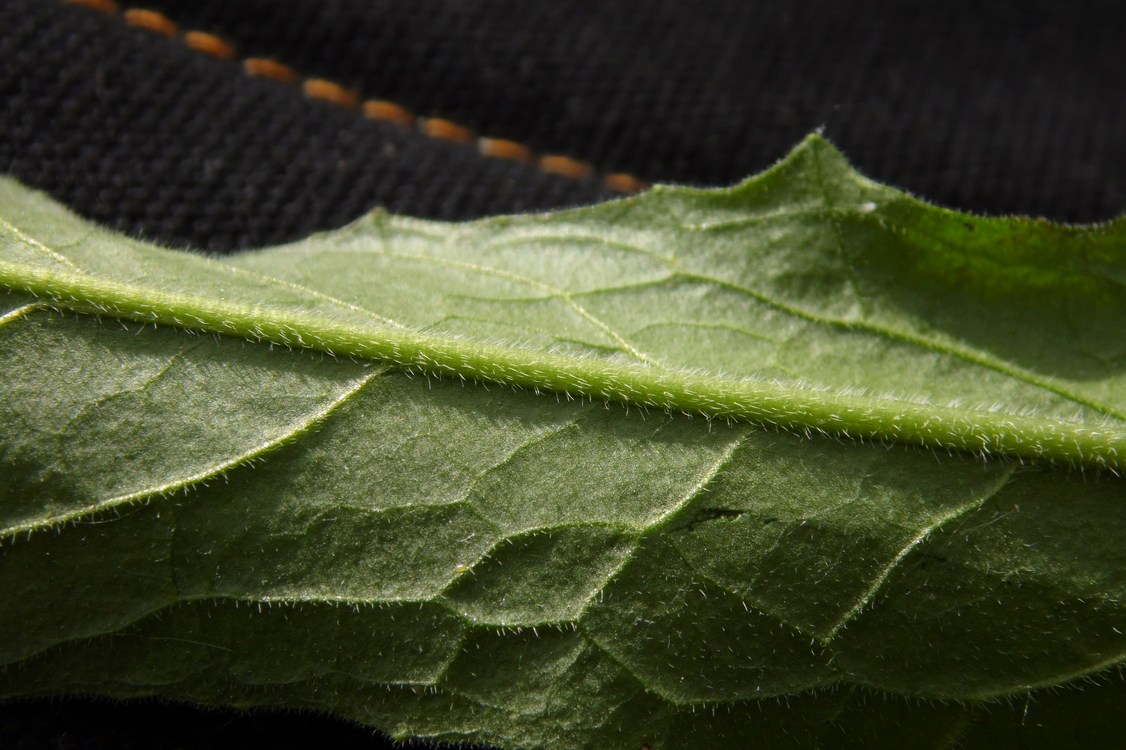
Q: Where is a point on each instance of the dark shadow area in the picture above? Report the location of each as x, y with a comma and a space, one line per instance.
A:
76, 723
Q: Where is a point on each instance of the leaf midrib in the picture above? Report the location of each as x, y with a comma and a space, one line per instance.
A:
791, 406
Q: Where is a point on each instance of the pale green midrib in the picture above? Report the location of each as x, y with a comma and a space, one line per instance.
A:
790, 406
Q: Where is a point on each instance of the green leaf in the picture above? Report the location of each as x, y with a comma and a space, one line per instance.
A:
801, 462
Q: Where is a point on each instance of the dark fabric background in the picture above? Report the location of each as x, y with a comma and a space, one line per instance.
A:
990, 107
997, 107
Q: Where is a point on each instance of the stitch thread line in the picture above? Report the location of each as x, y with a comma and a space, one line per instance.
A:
322, 89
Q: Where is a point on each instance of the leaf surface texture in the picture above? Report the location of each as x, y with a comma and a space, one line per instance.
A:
801, 461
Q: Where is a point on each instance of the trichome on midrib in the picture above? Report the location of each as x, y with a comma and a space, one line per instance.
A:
792, 406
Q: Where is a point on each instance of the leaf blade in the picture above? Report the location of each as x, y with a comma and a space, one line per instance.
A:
646, 562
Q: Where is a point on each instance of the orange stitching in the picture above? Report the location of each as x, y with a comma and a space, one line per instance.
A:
266, 68
104, 6
499, 148
329, 91
565, 165
209, 44
151, 20
375, 109
436, 127
624, 183
378, 109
